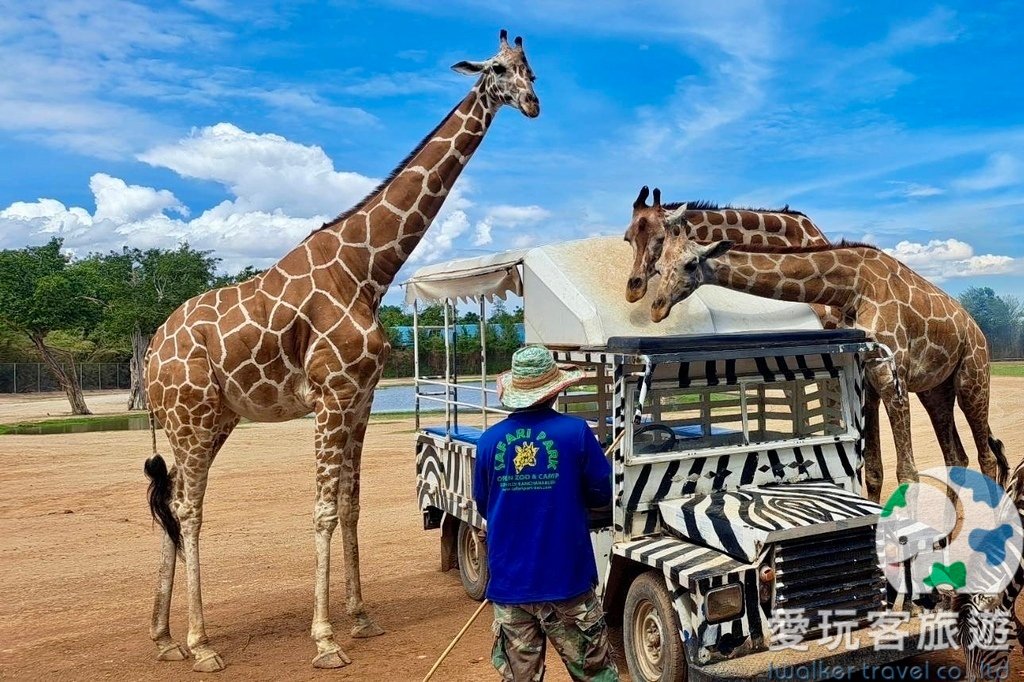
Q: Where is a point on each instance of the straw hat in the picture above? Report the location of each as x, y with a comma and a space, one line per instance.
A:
534, 377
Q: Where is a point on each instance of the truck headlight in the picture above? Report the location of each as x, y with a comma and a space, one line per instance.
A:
724, 603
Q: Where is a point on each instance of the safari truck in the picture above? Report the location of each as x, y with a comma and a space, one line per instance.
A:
734, 429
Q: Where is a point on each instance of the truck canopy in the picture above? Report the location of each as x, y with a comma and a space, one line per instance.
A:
574, 296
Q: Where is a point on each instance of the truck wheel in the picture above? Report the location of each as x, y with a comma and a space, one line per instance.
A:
650, 632
472, 561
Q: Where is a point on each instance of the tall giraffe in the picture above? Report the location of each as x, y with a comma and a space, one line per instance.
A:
304, 336
939, 352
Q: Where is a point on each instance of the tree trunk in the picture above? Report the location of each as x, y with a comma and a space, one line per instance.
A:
67, 381
137, 396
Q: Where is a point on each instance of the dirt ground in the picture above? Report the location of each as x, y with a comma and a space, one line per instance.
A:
78, 556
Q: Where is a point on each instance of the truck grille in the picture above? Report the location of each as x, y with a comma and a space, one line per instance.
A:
829, 572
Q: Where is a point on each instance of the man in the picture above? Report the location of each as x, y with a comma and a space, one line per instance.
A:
536, 474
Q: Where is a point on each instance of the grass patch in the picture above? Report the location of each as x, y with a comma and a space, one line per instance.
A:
78, 424
1008, 369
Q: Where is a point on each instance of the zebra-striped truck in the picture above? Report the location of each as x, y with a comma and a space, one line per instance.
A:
738, 544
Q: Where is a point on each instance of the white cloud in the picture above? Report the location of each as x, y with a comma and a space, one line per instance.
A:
442, 236
266, 172
507, 216
279, 190
911, 190
1000, 170
941, 259
108, 79
120, 202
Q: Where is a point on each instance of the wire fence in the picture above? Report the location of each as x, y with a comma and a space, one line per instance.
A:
34, 377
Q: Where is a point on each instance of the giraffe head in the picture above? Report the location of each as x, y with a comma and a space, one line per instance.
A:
683, 268
506, 77
646, 233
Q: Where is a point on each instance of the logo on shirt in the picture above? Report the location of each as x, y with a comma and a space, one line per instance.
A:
526, 456
529, 448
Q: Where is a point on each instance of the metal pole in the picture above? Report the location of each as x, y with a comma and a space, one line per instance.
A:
39, 376
416, 358
447, 372
455, 363
483, 362
15, 378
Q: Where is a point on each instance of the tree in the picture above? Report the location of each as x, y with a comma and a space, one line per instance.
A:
41, 291
246, 273
141, 289
1000, 318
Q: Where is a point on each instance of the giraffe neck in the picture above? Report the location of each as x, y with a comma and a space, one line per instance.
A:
824, 277
378, 236
753, 227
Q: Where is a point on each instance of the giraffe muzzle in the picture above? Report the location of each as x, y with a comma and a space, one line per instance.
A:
529, 105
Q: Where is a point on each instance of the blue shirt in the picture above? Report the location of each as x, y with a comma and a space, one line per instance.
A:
536, 474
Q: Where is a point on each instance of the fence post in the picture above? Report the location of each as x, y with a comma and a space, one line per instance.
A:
39, 378
15, 378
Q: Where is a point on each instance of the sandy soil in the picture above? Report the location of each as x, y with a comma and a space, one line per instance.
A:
31, 406
79, 555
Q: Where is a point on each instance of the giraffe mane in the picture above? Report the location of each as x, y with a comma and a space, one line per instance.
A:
704, 205
761, 248
391, 176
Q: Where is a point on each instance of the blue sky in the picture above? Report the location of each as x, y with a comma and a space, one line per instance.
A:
241, 129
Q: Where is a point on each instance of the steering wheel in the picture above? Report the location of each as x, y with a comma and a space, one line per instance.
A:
661, 439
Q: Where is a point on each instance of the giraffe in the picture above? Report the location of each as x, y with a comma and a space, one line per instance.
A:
304, 336
939, 352
704, 222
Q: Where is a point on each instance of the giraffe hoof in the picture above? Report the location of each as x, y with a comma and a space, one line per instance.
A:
366, 628
172, 652
210, 663
331, 659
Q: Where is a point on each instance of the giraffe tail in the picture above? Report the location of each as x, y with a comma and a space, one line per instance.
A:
1002, 465
161, 484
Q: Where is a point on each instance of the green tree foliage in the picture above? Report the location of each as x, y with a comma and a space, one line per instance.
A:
1000, 317
41, 292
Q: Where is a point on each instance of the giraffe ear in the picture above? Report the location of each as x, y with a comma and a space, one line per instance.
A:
469, 68
714, 250
676, 215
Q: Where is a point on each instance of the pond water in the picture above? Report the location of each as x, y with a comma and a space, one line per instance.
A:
403, 398
385, 400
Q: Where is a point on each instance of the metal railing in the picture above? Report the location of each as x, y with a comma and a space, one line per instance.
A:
35, 377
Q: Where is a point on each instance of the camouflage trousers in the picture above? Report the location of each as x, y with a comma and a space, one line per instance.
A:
575, 627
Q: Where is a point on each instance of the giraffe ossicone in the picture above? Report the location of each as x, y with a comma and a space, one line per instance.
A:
304, 336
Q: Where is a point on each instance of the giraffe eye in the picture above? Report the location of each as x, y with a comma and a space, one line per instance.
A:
689, 265
498, 69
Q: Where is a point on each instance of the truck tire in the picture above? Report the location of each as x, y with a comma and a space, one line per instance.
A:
472, 549
650, 632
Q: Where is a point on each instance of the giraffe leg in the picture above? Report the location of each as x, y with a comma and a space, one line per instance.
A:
938, 403
972, 394
333, 442
196, 437
349, 507
897, 406
873, 470
160, 630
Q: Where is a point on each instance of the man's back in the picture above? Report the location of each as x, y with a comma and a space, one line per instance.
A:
536, 474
